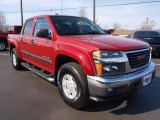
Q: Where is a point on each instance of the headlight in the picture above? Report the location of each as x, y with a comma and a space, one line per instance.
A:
107, 54
107, 63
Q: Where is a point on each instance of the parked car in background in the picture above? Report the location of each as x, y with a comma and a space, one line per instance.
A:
150, 36
4, 35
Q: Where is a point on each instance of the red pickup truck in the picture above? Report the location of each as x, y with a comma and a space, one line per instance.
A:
4, 35
81, 59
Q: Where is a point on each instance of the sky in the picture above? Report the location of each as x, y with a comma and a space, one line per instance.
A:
129, 17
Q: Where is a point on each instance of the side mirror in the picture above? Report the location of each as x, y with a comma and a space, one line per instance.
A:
110, 31
44, 33
105, 31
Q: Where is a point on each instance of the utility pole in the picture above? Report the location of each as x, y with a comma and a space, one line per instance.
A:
94, 11
21, 6
147, 19
61, 6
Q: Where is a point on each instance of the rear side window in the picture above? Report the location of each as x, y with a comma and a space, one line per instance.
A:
41, 23
27, 27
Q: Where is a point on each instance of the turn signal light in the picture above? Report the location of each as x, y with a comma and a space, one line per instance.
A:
99, 68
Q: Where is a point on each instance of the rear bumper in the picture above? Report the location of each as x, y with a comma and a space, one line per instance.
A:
115, 85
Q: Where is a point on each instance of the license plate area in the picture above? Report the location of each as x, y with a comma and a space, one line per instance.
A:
147, 79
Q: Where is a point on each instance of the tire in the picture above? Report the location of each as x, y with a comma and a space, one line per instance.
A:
3, 45
78, 87
16, 62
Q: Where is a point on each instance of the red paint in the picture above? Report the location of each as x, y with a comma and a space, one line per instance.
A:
78, 47
3, 35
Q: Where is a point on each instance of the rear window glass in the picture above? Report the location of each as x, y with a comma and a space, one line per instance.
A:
41, 24
147, 34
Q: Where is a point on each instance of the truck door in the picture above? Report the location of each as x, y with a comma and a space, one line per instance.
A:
25, 40
42, 50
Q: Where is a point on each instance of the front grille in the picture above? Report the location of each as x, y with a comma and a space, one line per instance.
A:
138, 59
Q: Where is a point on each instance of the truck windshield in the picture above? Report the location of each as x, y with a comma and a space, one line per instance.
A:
147, 34
66, 25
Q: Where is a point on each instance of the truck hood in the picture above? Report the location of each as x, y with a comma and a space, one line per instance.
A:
109, 42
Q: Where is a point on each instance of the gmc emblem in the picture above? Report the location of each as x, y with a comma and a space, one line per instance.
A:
141, 57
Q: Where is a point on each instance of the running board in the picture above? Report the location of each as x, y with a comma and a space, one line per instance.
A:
48, 77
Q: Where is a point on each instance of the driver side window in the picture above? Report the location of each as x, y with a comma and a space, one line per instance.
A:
41, 23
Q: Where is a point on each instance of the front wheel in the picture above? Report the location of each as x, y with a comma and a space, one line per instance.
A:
72, 85
3, 45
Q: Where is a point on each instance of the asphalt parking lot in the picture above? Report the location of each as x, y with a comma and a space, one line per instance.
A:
26, 96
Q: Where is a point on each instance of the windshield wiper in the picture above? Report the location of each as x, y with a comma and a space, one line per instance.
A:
93, 32
71, 34
82, 33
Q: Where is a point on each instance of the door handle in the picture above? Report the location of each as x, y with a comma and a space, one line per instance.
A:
32, 41
21, 39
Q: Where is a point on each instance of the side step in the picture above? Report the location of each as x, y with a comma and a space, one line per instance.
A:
41, 73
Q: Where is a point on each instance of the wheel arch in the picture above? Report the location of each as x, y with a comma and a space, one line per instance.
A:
13, 45
81, 58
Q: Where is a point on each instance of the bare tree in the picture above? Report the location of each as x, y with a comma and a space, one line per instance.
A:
147, 24
6, 28
116, 26
2, 20
82, 12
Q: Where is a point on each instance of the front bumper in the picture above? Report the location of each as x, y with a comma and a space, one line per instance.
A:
108, 86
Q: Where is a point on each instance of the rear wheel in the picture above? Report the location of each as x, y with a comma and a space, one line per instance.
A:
3, 45
72, 85
16, 62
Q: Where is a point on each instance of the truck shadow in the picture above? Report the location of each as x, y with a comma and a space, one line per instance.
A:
7, 50
144, 100
155, 57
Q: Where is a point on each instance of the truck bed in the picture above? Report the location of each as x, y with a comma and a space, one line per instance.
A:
3, 35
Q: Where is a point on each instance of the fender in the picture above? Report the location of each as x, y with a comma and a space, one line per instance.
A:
81, 55
14, 42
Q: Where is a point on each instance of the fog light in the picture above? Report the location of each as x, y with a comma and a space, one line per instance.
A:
113, 68
106, 68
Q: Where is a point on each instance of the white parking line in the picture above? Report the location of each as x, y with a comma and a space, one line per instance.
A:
4, 54
157, 64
